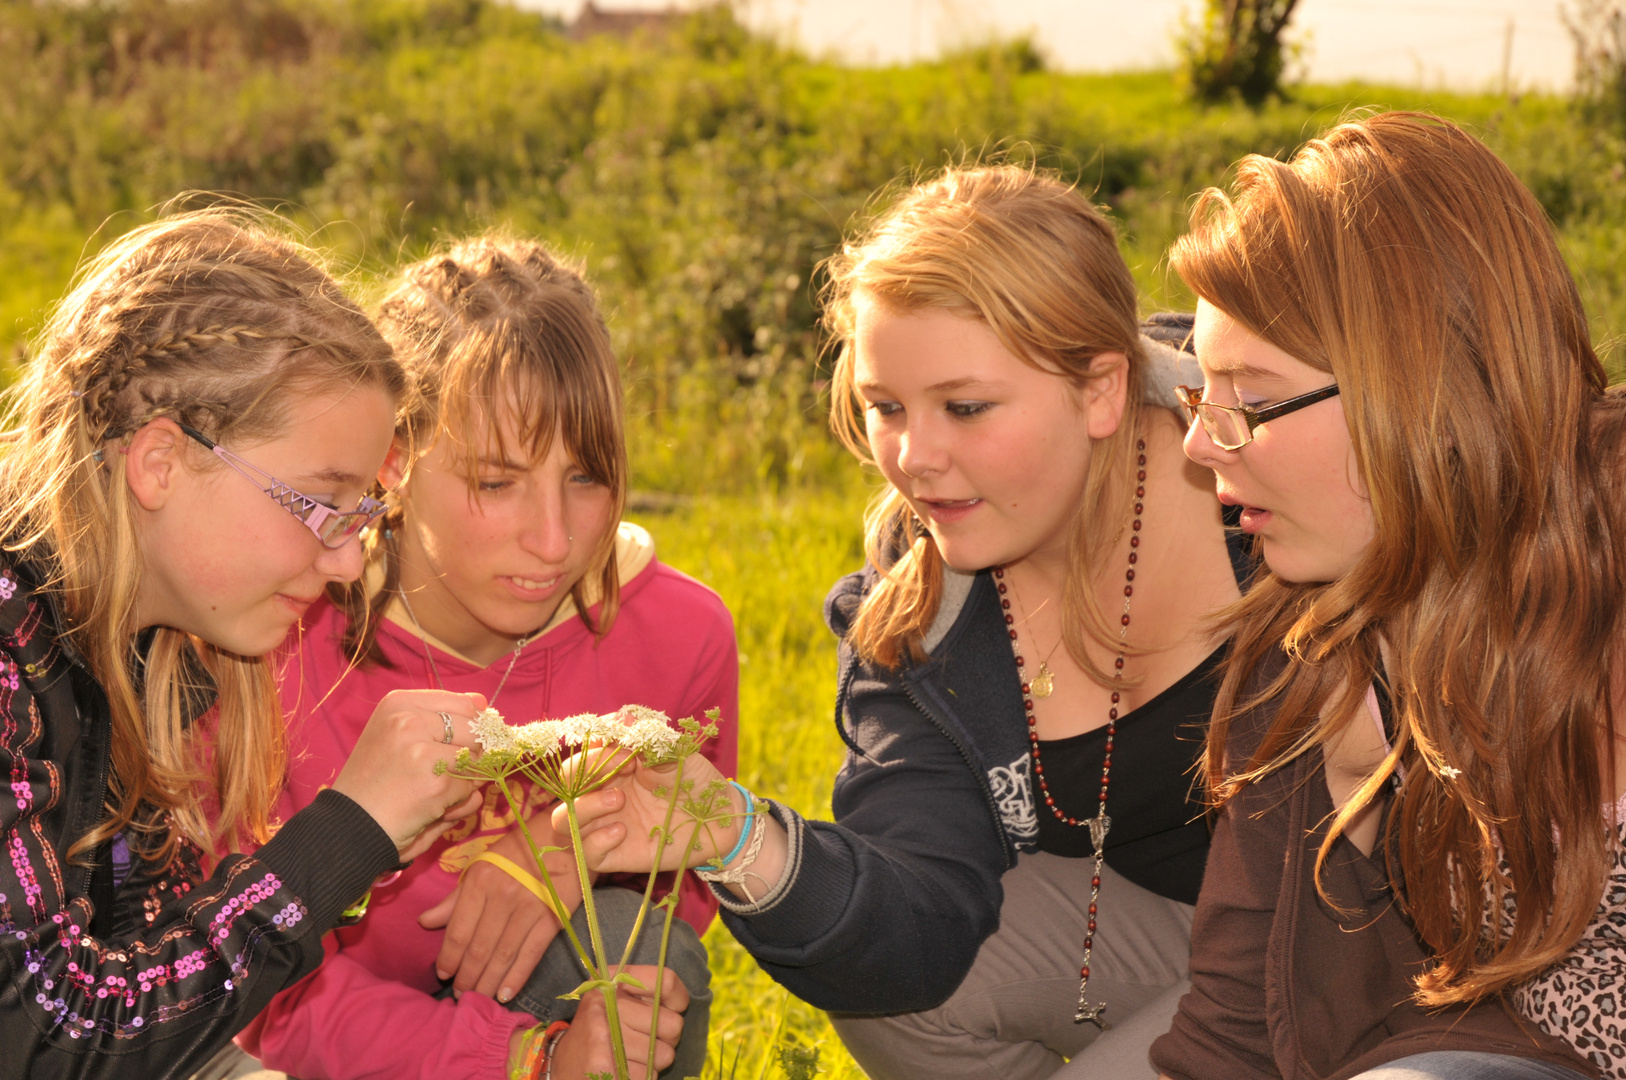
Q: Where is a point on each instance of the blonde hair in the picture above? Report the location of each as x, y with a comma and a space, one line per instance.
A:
1030, 258
498, 320
213, 319
1398, 254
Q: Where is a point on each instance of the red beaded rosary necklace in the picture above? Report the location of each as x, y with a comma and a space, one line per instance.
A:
1100, 823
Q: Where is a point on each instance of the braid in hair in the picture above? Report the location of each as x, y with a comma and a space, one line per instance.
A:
500, 320
103, 389
219, 322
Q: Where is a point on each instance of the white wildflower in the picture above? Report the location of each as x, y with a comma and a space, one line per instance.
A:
579, 730
607, 728
636, 727
633, 714
647, 731
538, 737
491, 731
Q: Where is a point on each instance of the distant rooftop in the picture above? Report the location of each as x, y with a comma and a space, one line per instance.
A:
622, 22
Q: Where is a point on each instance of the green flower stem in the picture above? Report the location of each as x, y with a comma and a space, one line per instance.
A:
558, 905
654, 872
617, 1042
671, 900
670, 903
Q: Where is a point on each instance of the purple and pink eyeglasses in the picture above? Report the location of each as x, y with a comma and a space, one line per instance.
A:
332, 527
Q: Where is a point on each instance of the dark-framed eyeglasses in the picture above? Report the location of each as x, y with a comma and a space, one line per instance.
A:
1231, 426
333, 528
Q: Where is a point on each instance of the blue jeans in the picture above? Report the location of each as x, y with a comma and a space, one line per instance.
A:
1468, 1065
560, 971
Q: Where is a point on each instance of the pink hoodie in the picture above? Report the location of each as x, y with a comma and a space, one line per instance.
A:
367, 1011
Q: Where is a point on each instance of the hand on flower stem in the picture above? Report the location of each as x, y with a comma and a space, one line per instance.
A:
496, 928
619, 820
391, 771
585, 1048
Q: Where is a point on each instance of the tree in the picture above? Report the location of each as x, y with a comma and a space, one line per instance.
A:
1237, 49
1598, 28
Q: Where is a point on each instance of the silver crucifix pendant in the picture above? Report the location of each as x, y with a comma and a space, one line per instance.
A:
1091, 1014
1099, 824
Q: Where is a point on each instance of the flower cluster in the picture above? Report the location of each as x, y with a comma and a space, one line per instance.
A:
637, 728
569, 758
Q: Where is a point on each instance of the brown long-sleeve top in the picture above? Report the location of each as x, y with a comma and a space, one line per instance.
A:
1285, 986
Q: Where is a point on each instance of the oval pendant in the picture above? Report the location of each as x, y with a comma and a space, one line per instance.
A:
1044, 684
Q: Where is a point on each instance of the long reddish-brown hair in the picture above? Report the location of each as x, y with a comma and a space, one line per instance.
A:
1029, 257
1399, 254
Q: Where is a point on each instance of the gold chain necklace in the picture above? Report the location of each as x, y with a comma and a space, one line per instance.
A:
1044, 683
434, 672
1100, 823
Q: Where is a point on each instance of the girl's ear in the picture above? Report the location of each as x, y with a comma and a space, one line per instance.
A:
394, 469
1105, 394
153, 462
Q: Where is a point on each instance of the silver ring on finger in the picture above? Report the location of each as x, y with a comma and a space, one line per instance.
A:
446, 718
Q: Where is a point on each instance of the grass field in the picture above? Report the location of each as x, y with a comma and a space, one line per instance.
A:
700, 178
773, 559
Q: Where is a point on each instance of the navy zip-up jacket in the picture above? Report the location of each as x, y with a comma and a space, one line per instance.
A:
883, 910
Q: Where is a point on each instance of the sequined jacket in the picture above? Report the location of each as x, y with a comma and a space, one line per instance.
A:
111, 965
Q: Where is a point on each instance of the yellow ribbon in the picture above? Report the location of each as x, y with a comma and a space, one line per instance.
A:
513, 870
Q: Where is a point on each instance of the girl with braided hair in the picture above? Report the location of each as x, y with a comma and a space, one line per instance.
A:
190, 449
503, 568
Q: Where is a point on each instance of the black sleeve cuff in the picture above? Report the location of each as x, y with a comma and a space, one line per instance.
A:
814, 893
329, 854
792, 823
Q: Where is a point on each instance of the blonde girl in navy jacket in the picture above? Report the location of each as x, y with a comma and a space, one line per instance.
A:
993, 369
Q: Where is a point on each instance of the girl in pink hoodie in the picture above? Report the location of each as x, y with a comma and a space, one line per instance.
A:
503, 568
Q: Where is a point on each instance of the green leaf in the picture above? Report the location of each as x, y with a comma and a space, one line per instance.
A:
799, 1062
587, 987
626, 978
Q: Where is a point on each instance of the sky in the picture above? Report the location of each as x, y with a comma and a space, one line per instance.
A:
1461, 44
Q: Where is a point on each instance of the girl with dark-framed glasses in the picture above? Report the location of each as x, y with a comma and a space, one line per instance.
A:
1419, 866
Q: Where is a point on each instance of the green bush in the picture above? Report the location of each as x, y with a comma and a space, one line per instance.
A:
1234, 49
701, 175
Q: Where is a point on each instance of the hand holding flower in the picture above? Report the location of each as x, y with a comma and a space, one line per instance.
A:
397, 771
571, 759
496, 928
621, 825
585, 1048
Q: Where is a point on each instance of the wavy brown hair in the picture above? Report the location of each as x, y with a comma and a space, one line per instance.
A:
491, 324
1033, 260
1399, 254
219, 321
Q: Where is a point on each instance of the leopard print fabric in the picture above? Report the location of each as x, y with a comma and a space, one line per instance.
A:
1582, 999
